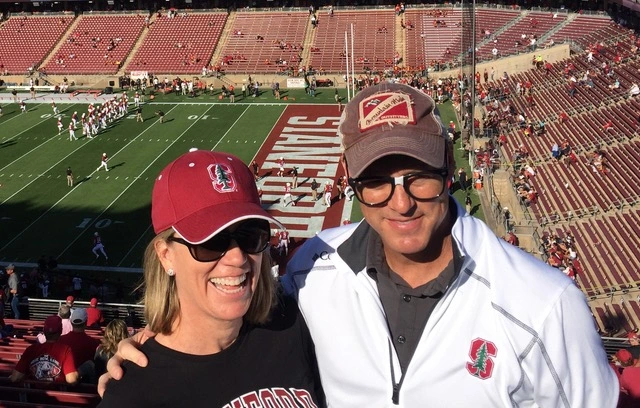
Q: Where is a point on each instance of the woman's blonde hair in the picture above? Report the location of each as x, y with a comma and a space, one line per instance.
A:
115, 331
160, 298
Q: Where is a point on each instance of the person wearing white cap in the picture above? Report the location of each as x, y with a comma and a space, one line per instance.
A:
83, 347
223, 336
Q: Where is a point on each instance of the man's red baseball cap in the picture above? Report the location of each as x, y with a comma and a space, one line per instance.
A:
203, 192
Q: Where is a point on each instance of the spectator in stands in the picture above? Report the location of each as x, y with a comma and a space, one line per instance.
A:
14, 290
209, 289
634, 341
83, 346
634, 90
629, 377
50, 361
69, 302
94, 315
115, 331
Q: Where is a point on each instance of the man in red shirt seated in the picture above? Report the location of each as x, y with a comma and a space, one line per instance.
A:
50, 361
82, 345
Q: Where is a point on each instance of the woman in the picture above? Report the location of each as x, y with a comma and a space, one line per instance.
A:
115, 331
223, 338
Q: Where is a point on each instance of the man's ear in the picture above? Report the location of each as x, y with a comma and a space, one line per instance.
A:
345, 166
450, 159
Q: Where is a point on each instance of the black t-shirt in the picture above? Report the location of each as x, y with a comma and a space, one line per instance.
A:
271, 365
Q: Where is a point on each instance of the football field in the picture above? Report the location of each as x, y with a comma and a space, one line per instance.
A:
41, 215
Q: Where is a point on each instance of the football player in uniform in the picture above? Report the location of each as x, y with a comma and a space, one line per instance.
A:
103, 162
98, 246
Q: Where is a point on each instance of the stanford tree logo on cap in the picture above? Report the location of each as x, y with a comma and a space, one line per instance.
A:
222, 176
386, 107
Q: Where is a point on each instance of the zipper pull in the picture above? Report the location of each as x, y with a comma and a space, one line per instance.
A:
396, 395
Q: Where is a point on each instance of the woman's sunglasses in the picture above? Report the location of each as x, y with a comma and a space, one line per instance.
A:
252, 237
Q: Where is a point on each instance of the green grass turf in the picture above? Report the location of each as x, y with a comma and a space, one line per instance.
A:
40, 215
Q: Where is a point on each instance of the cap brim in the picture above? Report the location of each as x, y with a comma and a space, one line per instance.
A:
207, 222
427, 148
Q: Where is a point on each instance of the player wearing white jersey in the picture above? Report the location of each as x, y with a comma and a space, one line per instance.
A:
288, 198
283, 242
103, 162
72, 132
60, 126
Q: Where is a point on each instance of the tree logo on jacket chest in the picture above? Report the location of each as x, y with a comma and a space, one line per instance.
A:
481, 364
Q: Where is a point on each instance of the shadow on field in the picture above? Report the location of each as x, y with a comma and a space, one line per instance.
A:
8, 143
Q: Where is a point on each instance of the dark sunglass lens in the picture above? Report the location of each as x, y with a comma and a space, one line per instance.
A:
214, 248
253, 237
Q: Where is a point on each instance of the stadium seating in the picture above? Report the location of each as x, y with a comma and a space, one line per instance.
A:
179, 45
374, 41
25, 41
531, 24
264, 42
98, 44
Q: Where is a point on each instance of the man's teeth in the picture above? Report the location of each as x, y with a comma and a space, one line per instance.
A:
229, 281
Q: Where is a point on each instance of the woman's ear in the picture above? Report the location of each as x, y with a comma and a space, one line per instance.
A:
164, 252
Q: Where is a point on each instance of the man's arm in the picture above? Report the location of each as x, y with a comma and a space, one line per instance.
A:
16, 376
568, 366
72, 378
127, 350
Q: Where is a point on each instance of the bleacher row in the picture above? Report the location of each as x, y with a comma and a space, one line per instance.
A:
35, 393
600, 207
271, 42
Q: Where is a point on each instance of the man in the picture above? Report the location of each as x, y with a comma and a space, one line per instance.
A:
634, 341
288, 198
283, 242
14, 290
103, 162
328, 188
69, 177
256, 170
139, 117
314, 190
161, 115
422, 309
98, 246
72, 132
94, 315
50, 361
83, 347
420, 303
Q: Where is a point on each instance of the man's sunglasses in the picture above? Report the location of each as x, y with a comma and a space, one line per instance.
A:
252, 236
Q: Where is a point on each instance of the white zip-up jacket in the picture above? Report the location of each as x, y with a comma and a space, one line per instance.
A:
510, 331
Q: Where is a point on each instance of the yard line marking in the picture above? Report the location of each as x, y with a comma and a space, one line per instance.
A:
230, 127
37, 147
47, 170
71, 191
130, 184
